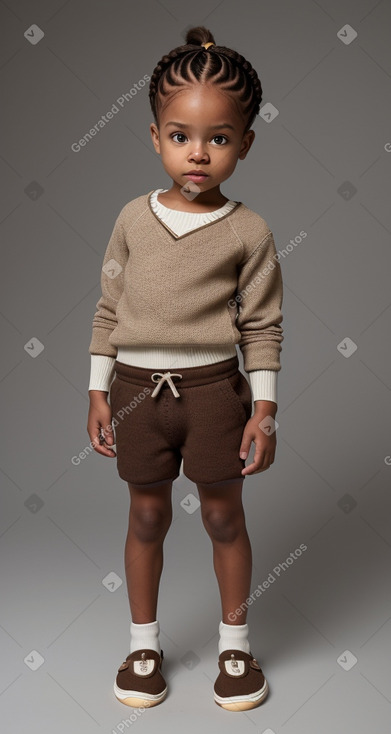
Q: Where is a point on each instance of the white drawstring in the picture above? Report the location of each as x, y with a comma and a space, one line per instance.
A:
160, 377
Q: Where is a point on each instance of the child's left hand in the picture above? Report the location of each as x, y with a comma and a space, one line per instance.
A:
265, 443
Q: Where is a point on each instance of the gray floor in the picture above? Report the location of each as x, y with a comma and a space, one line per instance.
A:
322, 628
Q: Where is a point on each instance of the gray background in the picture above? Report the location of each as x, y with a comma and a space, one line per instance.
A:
321, 165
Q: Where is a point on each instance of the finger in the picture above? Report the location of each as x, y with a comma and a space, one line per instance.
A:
107, 434
261, 462
106, 445
105, 451
254, 469
245, 446
100, 442
95, 440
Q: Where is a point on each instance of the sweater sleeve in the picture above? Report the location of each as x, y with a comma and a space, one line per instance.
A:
264, 385
260, 295
102, 371
112, 285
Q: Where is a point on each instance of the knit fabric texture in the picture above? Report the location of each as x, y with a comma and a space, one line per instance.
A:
218, 284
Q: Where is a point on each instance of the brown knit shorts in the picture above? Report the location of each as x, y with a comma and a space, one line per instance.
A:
154, 430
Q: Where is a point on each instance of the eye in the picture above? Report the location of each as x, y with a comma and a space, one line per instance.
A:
180, 134
222, 137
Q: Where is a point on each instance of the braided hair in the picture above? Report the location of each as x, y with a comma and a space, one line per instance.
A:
220, 65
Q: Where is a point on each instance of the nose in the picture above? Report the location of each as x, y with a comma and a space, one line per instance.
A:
198, 152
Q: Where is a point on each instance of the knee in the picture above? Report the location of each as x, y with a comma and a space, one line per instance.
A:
223, 526
150, 524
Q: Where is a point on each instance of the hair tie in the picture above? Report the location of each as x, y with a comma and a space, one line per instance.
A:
206, 45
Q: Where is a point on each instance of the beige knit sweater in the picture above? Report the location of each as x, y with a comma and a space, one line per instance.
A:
216, 285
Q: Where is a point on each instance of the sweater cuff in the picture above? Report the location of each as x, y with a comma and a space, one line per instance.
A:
101, 372
264, 384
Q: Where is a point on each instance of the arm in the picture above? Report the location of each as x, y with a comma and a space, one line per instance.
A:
103, 354
260, 295
112, 285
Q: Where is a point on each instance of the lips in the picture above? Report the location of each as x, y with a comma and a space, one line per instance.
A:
196, 176
196, 173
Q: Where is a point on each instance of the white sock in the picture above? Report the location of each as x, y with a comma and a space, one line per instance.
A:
233, 637
145, 635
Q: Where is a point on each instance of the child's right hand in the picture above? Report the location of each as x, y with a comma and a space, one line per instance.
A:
99, 423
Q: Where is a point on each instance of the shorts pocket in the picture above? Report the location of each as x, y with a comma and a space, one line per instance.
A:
238, 393
112, 389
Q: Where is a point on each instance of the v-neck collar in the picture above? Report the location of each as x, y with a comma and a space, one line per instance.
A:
196, 229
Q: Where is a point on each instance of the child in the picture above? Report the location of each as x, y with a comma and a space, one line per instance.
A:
187, 275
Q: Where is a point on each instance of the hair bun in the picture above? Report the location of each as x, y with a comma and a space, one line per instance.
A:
199, 35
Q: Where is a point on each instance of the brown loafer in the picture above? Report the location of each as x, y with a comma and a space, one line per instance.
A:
240, 684
139, 681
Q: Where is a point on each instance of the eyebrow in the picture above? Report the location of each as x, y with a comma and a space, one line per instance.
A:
212, 127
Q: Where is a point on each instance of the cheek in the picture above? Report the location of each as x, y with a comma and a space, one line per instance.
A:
228, 162
171, 154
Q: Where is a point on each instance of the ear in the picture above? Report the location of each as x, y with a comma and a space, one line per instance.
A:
247, 142
155, 137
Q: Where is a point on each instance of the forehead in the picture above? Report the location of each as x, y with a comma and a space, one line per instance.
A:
201, 105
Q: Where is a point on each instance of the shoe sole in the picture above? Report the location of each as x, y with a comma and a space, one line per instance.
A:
136, 698
243, 703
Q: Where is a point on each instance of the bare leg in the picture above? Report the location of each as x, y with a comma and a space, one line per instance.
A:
224, 520
150, 517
